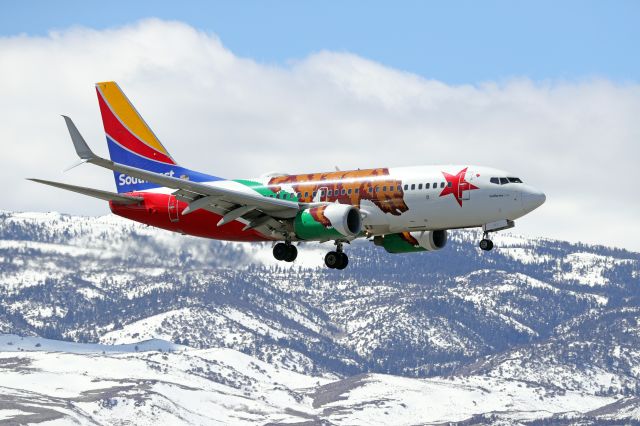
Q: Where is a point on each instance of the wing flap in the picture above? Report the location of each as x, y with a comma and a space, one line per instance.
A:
274, 206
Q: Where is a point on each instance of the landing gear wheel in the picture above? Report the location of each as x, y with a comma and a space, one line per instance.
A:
280, 251
285, 251
486, 244
292, 253
344, 261
336, 260
332, 259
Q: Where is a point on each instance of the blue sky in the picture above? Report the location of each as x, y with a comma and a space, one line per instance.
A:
454, 42
562, 82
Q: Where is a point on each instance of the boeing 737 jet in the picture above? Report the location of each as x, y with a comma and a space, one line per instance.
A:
402, 209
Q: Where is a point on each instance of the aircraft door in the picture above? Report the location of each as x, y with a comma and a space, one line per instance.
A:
463, 187
323, 194
173, 209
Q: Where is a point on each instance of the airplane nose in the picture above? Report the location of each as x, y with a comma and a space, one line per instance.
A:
531, 200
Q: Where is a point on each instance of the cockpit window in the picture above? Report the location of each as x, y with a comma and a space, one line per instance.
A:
504, 181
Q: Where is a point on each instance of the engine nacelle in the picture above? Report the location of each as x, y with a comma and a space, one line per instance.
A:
407, 242
328, 222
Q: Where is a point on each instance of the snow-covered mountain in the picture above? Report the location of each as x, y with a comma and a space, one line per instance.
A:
531, 330
157, 382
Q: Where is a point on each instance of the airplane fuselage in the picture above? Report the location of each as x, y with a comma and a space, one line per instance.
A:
393, 200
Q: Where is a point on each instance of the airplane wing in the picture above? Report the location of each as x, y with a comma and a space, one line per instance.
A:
228, 202
96, 193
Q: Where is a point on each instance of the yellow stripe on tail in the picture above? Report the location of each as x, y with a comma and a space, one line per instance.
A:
127, 114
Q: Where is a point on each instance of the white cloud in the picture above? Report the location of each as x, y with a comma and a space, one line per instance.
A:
216, 112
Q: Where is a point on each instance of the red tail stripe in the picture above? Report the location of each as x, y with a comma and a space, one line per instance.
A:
124, 137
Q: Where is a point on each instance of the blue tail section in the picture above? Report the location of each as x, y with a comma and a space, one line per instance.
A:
126, 183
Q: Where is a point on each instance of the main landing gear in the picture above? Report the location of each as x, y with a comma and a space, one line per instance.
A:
336, 259
285, 251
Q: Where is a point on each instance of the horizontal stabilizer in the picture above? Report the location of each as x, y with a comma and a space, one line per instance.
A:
96, 193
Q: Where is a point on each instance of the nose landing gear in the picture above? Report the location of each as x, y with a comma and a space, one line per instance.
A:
336, 259
285, 251
486, 244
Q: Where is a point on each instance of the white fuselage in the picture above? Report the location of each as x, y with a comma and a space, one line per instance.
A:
433, 197
429, 210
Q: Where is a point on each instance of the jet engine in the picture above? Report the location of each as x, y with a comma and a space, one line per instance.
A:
407, 242
328, 222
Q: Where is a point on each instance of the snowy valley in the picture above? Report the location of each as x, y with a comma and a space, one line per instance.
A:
175, 329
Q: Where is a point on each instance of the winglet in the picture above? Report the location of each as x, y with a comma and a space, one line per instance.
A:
82, 149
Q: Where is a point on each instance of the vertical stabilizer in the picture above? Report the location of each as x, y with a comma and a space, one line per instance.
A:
130, 139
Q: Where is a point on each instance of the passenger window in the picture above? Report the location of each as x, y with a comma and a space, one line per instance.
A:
406, 186
427, 185
377, 189
441, 184
435, 185
306, 194
370, 190
349, 191
399, 188
413, 186
449, 184
330, 193
504, 181
495, 180
384, 188
343, 192
357, 190
420, 186
314, 194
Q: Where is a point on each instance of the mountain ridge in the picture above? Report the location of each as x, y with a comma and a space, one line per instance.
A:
558, 316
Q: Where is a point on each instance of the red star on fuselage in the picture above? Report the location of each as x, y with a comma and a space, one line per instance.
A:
456, 184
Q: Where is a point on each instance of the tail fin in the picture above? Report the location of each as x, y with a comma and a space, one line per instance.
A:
130, 140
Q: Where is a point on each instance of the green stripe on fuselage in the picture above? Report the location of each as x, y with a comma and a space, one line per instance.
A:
265, 191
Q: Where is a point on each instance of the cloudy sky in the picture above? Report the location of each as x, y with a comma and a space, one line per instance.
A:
549, 93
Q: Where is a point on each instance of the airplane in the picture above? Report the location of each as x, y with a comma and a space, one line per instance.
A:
401, 209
